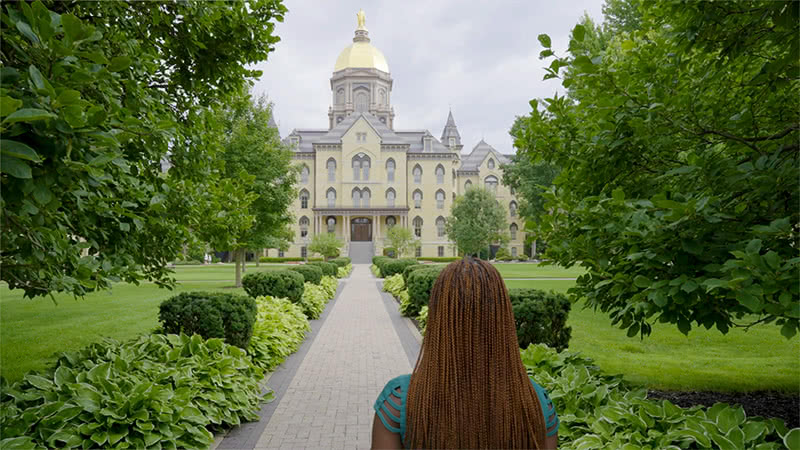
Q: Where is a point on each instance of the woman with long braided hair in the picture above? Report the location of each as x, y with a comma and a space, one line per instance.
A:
469, 388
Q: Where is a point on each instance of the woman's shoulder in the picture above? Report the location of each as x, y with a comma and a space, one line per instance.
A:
400, 381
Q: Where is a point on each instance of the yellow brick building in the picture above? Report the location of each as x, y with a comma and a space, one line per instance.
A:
360, 176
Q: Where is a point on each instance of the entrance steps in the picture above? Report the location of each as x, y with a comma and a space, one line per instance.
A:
361, 252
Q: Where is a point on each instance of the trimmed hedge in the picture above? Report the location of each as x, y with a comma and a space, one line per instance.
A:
420, 283
341, 261
328, 268
211, 315
411, 268
272, 259
541, 317
311, 273
375, 259
396, 266
439, 258
277, 283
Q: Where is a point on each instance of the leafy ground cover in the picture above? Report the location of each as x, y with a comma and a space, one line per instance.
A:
758, 359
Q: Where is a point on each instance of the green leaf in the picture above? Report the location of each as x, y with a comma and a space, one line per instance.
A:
750, 301
578, 33
40, 382
26, 31
64, 375
18, 150
684, 326
627, 45
68, 97
689, 286
100, 437
789, 329
119, 63
544, 40
792, 439
8, 105
36, 77
753, 247
21, 443
73, 28
641, 281
28, 115
15, 167
193, 414
618, 194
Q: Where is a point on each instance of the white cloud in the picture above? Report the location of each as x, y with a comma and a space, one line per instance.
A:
480, 58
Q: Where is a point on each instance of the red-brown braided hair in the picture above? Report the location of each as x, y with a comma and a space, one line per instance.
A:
469, 388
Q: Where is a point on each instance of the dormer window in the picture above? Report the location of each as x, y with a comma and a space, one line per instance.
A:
361, 137
295, 141
427, 144
490, 164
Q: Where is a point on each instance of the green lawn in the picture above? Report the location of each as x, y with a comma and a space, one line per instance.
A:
532, 270
758, 359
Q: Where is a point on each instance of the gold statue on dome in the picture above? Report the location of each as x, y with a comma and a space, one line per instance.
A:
362, 19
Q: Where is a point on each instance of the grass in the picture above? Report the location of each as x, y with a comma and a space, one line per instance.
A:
533, 270
742, 361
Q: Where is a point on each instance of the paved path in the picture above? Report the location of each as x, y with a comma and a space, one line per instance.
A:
328, 403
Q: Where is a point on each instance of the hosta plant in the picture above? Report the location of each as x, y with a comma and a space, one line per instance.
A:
344, 272
375, 271
394, 284
405, 303
422, 319
329, 285
278, 332
602, 411
313, 301
156, 390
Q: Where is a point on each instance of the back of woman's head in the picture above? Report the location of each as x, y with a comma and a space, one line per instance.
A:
469, 388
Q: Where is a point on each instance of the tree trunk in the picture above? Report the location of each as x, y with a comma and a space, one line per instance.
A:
258, 257
533, 249
244, 260
237, 257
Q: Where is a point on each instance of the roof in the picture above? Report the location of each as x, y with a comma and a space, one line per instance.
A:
474, 159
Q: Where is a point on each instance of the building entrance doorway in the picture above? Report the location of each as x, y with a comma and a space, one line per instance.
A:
360, 229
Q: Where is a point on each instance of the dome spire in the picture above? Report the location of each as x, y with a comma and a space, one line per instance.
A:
451, 132
362, 34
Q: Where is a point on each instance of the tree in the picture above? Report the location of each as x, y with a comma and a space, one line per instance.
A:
476, 220
680, 179
253, 160
402, 240
326, 244
95, 97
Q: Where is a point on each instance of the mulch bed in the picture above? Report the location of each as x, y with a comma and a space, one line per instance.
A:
761, 403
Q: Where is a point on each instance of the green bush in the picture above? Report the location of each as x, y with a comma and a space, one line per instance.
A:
191, 262
439, 258
390, 252
405, 303
541, 317
344, 272
422, 319
410, 268
328, 269
313, 301
329, 286
277, 283
375, 271
271, 259
278, 332
340, 262
157, 389
396, 266
602, 411
420, 283
375, 259
211, 315
502, 252
311, 273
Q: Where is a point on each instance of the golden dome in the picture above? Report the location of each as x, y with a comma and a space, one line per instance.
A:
361, 55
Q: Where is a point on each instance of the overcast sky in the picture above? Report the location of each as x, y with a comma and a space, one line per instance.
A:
480, 58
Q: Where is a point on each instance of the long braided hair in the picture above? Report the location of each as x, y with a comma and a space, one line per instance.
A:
469, 388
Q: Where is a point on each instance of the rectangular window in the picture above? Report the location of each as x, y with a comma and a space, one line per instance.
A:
304, 202
304, 251
514, 252
390, 175
440, 251
418, 252
280, 253
452, 142
439, 203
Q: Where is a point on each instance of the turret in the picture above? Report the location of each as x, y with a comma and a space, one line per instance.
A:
450, 136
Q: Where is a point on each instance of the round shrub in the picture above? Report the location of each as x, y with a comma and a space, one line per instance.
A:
395, 266
277, 283
541, 317
311, 273
328, 269
340, 262
211, 315
376, 259
410, 268
420, 283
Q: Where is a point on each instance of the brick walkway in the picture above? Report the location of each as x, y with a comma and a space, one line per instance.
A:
328, 403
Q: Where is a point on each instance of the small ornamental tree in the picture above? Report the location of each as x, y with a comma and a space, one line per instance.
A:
326, 244
476, 220
402, 240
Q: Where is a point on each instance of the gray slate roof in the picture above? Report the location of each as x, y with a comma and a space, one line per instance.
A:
478, 154
451, 130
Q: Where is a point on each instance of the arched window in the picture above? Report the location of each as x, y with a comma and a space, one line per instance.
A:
440, 226
331, 165
417, 199
303, 199
365, 195
331, 224
467, 185
331, 195
304, 174
439, 174
417, 174
513, 230
365, 163
417, 226
362, 101
303, 226
390, 221
491, 184
340, 96
512, 209
390, 196
490, 164
390, 170
361, 163
440, 199
356, 168
356, 197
